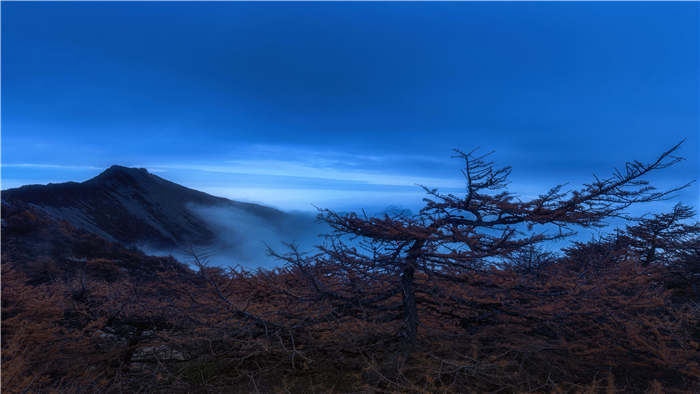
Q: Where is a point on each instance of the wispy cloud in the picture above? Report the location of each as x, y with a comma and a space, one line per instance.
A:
287, 168
335, 157
298, 162
49, 166
304, 199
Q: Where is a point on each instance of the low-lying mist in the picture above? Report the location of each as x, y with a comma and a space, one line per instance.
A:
243, 237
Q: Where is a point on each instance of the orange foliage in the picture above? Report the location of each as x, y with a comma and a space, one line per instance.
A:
429, 303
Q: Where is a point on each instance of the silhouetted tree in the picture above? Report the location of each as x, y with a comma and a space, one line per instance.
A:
673, 240
665, 238
529, 260
390, 268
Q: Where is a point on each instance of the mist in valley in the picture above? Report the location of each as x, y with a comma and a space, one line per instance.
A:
243, 238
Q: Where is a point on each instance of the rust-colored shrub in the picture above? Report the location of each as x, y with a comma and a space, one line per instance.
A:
436, 302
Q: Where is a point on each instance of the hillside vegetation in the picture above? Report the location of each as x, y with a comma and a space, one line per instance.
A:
460, 297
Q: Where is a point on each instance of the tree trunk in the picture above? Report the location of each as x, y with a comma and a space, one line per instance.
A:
410, 329
409, 304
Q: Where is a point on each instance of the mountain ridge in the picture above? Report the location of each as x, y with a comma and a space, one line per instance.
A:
133, 206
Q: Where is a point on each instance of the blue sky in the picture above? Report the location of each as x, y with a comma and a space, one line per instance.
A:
346, 105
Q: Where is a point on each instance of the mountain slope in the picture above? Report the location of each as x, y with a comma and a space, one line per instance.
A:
134, 207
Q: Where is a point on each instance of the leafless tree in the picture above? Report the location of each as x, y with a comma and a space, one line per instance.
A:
390, 268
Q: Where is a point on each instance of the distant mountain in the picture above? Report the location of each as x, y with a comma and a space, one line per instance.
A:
134, 207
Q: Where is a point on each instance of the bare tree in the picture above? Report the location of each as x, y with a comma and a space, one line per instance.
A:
390, 268
661, 237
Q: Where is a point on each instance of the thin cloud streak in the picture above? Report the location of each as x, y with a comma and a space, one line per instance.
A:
294, 169
338, 157
299, 199
50, 166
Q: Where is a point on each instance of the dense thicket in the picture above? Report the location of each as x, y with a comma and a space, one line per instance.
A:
458, 297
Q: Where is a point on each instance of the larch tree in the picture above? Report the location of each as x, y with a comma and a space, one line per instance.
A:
390, 268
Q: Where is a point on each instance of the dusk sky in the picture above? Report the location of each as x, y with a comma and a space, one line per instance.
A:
346, 105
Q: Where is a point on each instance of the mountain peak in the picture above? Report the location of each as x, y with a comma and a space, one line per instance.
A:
135, 207
123, 175
117, 169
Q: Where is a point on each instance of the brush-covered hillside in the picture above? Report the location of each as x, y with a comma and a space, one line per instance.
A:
459, 297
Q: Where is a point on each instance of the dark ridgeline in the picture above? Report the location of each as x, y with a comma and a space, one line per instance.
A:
133, 207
